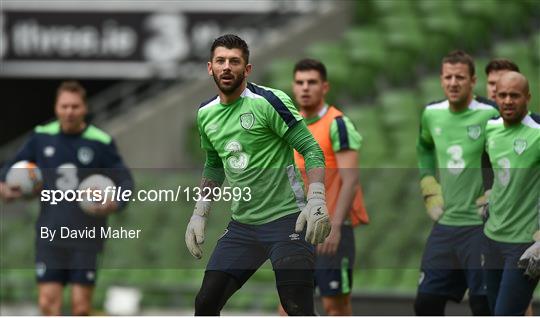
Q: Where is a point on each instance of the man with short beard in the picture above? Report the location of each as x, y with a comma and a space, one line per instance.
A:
451, 142
248, 133
494, 70
513, 146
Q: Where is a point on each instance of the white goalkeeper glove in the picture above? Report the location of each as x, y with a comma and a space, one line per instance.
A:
196, 227
482, 204
530, 260
433, 200
315, 214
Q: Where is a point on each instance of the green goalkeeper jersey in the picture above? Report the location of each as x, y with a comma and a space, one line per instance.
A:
454, 142
514, 203
248, 137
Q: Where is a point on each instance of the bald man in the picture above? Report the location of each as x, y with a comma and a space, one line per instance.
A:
513, 146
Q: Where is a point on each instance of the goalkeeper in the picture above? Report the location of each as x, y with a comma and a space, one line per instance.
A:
452, 138
248, 133
513, 145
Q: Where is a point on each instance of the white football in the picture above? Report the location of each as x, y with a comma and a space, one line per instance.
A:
25, 175
94, 182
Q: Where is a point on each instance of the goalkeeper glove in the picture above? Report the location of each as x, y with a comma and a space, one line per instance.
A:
195, 229
433, 200
530, 260
482, 204
315, 214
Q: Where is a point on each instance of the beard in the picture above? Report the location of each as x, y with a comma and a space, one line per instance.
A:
512, 118
228, 89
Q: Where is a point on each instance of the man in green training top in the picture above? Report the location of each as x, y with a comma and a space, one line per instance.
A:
513, 146
248, 133
452, 140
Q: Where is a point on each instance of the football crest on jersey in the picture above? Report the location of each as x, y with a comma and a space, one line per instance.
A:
474, 131
85, 155
247, 120
520, 145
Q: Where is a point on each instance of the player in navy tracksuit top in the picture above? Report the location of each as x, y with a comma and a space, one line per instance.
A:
67, 151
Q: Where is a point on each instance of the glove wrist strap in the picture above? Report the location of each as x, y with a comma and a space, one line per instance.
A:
316, 191
202, 208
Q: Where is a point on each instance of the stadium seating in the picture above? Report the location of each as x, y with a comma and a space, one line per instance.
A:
364, 46
279, 73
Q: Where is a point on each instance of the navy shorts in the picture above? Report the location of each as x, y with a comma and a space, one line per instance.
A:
65, 265
243, 248
333, 274
452, 262
509, 291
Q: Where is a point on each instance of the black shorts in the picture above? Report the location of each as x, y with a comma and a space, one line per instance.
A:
333, 274
65, 265
452, 262
244, 248
509, 291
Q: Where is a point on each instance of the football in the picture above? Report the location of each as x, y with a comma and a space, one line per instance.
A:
94, 182
27, 176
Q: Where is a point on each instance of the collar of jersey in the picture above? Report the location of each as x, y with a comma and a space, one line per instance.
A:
320, 115
242, 95
75, 134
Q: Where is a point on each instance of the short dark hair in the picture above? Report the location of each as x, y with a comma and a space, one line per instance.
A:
500, 65
72, 87
310, 64
459, 56
231, 41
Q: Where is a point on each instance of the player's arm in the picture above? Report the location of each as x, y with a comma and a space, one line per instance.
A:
425, 150
301, 139
431, 189
346, 141
212, 177
26, 152
315, 213
283, 119
530, 259
487, 178
347, 161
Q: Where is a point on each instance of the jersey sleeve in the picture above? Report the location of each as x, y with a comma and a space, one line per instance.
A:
282, 114
425, 149
344, 135
205, 142
301, 139
26, 152
213, 167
